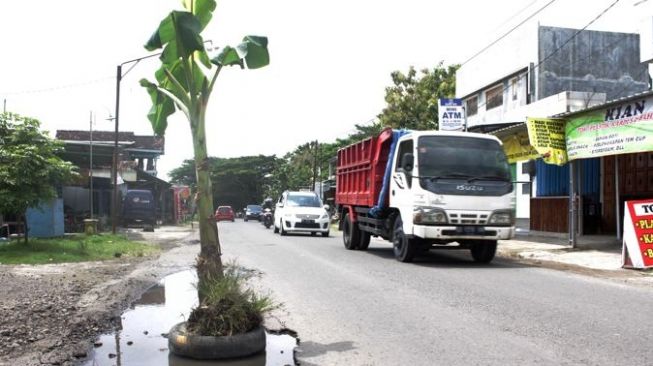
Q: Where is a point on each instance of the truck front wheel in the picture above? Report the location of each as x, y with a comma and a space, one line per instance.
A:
404, 248
483, 251
350, 233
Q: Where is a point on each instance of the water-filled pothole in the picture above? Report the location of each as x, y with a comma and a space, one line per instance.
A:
140, 339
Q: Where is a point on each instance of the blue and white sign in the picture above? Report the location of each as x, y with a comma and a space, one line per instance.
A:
452, 114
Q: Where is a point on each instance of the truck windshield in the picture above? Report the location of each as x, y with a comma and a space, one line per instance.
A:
465, 158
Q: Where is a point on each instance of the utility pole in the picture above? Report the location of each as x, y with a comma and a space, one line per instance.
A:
90, 166
315, 164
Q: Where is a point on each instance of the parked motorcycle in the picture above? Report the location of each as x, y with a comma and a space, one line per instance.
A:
267, 218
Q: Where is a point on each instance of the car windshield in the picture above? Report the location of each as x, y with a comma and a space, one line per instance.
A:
462, 158
303, 200
224, 210
254, 208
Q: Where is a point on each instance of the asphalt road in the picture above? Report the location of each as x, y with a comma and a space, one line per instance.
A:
365, 308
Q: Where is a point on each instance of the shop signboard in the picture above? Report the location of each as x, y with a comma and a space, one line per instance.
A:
452, 114
547, 136
637, 249
619, 129
518, 148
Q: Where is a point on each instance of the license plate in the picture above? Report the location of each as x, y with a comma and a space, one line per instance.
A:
307, 221
471, 230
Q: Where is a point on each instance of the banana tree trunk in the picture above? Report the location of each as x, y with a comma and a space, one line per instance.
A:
209, 261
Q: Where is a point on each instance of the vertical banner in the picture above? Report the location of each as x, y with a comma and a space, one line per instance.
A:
452, 115
547, 136
518, 148
637, 251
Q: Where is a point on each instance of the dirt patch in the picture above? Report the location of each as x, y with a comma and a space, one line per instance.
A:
49, 314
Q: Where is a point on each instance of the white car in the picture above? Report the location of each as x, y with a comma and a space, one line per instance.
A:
301, 212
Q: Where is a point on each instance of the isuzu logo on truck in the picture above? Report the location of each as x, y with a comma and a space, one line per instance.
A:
466, 187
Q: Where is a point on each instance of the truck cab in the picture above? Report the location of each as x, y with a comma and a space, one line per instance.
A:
440, 189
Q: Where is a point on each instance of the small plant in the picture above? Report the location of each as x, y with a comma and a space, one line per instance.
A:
229, 306
83, 246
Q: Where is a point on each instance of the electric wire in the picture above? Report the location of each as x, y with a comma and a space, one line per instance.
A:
508, 32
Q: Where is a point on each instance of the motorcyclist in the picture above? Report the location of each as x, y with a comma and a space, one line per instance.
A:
268, 211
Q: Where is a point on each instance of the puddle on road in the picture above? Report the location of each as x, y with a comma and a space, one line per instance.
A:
141, 339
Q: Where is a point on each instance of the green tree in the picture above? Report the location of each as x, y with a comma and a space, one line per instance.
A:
412, 101
236, 181
30, 169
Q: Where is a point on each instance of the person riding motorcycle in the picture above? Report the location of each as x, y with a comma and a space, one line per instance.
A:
268, 212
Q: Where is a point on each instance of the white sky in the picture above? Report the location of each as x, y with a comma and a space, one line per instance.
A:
330, 61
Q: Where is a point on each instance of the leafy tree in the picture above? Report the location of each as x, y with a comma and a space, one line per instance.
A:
184, 82
236, 181
412, 101
30, 169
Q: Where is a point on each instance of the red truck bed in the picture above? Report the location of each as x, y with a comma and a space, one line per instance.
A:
360, 169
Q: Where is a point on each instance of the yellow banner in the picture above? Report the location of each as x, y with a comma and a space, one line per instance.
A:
547, 137
518, 148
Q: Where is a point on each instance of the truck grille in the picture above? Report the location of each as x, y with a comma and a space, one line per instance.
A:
467, 218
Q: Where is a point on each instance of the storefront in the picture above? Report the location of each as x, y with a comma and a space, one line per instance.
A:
620, 134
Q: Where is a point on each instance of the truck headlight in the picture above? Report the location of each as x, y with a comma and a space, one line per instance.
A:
429, 215
502, 217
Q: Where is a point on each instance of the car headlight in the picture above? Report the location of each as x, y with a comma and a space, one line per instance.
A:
325, 216
502, 217
429, 215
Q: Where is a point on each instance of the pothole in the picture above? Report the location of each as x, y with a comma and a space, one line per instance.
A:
140, 337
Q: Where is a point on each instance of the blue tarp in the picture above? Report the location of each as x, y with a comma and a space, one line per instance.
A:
380, 205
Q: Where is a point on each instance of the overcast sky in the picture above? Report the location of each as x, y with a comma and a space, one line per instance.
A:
330, 61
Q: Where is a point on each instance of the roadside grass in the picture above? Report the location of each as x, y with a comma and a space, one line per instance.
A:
74, 248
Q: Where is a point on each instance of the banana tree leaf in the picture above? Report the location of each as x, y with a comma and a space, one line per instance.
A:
202, 9
162, 108
181, 28
228, 56
255, 50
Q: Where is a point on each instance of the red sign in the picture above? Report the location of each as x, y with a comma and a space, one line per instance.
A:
638, 234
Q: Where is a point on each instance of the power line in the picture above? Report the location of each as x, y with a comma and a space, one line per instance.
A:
603, 12
58, 87
508, 32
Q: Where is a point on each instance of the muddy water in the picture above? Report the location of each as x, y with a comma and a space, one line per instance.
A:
141, 339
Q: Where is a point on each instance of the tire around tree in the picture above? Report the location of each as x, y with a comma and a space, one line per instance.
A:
483, 251
404, 248
199, 347
350, 233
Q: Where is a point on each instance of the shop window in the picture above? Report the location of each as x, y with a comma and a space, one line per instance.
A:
471, 106
494, 97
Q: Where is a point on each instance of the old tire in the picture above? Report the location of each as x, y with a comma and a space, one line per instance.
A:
350, 233
199, 347
404, 248
483, 251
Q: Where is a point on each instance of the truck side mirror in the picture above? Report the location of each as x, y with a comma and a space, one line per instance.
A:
407, 163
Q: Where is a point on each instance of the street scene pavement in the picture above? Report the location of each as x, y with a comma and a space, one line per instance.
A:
538, 302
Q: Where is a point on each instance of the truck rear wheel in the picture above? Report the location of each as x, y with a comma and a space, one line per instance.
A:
364, 240
404, 247
483, 251
350, 233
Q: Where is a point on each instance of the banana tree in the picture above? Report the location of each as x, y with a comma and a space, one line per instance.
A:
184, 82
